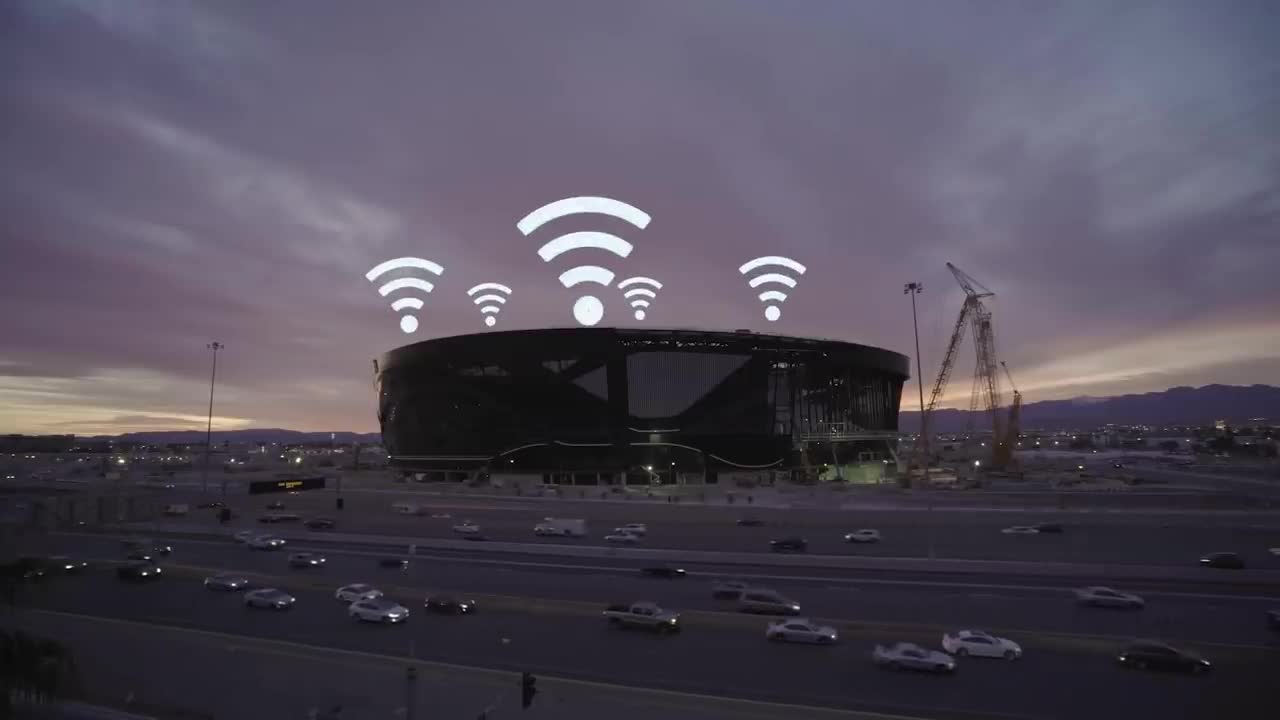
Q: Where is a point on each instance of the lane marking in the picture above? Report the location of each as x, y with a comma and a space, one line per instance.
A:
307, 651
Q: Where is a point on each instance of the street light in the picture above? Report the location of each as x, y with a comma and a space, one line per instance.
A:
208, 433
913, 289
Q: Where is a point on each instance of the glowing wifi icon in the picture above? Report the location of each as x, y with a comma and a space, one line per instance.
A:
640, 297
490, 303
587, 310
772, 298
408, 323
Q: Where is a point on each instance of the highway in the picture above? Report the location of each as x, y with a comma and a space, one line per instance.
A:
706, 658
1147, 538
1201, 613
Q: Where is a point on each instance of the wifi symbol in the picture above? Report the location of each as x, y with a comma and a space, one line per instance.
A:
636, 296
772, 298
490, 304
587, 310
408, 323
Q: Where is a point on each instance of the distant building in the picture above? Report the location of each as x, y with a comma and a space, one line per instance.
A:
36, 443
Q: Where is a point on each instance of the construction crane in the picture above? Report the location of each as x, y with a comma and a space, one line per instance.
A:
1005, 446
974, 316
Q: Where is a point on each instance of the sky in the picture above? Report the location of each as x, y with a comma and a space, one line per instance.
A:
175, 172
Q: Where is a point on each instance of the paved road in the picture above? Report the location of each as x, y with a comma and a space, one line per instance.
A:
1019, 603
1174, 539
722, 661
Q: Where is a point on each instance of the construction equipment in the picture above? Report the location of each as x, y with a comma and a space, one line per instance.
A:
1003, 453
986, 381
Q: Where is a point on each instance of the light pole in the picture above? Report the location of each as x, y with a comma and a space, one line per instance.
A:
208, 433
913, 289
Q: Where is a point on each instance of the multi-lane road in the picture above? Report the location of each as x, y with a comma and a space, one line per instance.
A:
1175, 538
712, 658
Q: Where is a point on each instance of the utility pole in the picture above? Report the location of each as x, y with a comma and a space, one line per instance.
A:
913, 289
208, 433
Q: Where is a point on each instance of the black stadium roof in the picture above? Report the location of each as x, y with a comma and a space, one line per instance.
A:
731, 340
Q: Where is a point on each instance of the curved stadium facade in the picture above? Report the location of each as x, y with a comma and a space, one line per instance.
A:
589, 405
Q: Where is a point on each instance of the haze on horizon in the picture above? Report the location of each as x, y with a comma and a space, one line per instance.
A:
175, 172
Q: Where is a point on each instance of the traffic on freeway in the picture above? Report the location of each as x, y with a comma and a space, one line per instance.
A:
1127, 680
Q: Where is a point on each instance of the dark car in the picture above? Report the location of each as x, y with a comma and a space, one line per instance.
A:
151, 548
64, 564
663, 571
1273, 619
393, 563
143, 554
215, 505
322, 523
26, 568
277, 505
792, 544
449, 605
1225, 560
1158, 656
750, 522
138, 572
475, 537
279, 518
1048, 527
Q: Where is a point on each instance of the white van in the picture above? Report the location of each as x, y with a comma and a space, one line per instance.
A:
561, 527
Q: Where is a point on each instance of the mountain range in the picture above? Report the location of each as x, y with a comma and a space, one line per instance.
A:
1237, 404
1176, 406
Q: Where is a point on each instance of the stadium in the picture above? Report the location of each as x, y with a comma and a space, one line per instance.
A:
588, 406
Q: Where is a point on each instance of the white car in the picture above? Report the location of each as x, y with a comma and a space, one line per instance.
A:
356, 593
1021, 530
270, 599
865, 535
550, 530
1275, 550
802, 631
378, 610
1098, 596
622, 538
909, 656
243, 536
633, 528
266, 542
441, 516
467, 528
980, 644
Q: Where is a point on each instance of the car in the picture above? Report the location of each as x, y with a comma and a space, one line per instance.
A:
662, 571
798, 630
476, 537
909, 656
728, 589
750, 521
273, 518
1098, 596
269, 599
266, 542
467, 527
1223, 560
275, 505
1273, 619
1049, 527
148, 546
865, 535
393, 563
244, 536
215, 505
357, 592
1021, 530
380, 610
622, 538
139, 571
790, 544
980, 644
1149, 655
766, 602
143, 555
321, 523
56, 564
448, 605
226, 582
306, 560
633, 528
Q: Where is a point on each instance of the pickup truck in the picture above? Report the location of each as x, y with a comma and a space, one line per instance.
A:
643, 615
